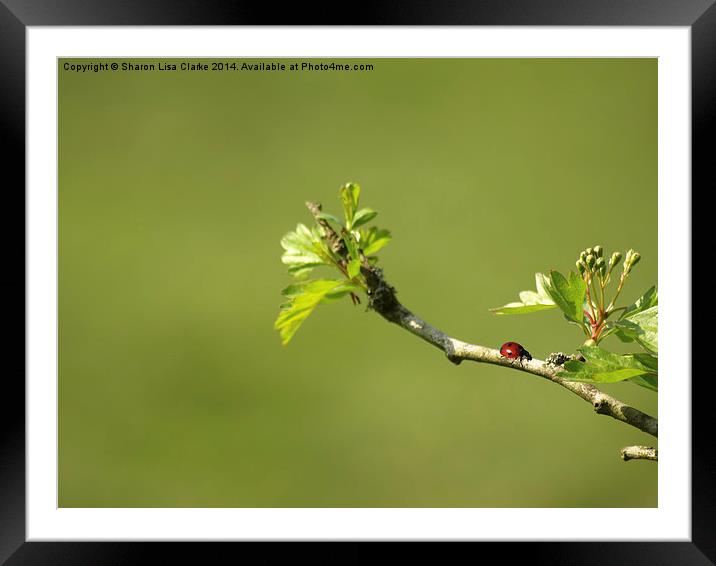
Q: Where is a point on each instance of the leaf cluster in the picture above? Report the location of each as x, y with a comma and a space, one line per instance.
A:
606, 367
554, 290
346, 244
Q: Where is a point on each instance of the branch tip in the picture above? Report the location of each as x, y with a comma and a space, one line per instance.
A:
639, 453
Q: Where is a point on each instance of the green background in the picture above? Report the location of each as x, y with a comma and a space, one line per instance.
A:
174, 191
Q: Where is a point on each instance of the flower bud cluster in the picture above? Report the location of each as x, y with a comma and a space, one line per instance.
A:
596, 270
592, 262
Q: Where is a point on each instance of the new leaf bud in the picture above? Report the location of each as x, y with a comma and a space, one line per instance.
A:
598, 251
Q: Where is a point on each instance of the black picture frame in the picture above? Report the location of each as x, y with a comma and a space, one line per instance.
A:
17, 15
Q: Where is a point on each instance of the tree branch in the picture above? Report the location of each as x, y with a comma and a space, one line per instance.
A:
383, 300
639, 453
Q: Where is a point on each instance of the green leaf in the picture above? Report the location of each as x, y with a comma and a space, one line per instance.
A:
303, 299
530, 301
649, 299
625, 330
568, 294
520, 308
542, 283
648, 323
649, 380
301, 271
530, 297
350, 193
642, 327
351, 245
293, 290
648, 360
342, 291
373, 240
304, 250
608, 376
363, 216
353, 268
605, 367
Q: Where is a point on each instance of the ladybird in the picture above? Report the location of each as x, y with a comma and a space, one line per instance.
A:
514, 351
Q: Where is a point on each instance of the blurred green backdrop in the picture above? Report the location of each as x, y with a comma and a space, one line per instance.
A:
174, 190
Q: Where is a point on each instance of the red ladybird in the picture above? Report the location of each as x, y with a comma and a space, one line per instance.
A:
514, 351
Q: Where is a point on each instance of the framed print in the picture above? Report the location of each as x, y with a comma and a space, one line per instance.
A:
510, 189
